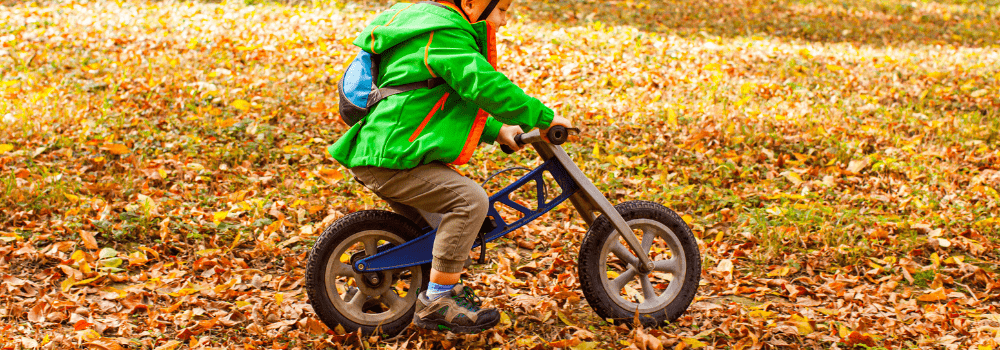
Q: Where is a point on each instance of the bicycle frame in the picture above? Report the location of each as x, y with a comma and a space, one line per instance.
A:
575, 186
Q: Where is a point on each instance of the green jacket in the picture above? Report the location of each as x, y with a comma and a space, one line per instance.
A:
418, 42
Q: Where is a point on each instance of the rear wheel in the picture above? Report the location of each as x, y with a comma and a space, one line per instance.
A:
612, 280
377, 303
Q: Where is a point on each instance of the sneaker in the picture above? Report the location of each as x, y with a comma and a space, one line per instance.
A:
459, 312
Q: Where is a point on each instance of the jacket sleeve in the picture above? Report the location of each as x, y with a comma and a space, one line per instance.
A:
491, 131
467, 71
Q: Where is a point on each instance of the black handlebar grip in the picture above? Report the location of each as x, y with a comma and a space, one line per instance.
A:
557, 135
507, 149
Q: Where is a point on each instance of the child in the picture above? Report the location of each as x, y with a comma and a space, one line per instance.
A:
400, 149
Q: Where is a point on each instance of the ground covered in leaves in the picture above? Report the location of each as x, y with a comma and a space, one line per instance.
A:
163, 171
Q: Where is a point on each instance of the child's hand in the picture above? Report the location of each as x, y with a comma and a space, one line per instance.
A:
557, 120
506, 136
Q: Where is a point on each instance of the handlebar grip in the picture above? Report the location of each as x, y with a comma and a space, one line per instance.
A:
507, 149
557, 135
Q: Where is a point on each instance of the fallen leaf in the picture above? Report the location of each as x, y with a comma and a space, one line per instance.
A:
88, 239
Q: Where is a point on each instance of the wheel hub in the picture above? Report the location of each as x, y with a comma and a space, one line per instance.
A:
370, 281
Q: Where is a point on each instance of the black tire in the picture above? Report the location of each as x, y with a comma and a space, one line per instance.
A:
386, 307
599, 257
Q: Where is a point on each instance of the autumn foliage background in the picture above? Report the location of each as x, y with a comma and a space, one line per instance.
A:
163, 170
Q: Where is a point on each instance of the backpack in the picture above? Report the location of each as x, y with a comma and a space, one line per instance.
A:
359, 91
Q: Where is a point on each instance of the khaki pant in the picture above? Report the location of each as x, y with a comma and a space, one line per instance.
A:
434, 188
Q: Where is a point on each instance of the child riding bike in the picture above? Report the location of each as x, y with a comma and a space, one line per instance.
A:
400, 150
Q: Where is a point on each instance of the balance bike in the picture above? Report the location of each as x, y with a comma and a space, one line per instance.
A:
637, 260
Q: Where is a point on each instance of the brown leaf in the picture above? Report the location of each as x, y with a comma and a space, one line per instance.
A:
103, 344
37, 313
88, 240
645, 341
170, 345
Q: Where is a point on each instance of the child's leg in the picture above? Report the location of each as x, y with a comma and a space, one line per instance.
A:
435, 188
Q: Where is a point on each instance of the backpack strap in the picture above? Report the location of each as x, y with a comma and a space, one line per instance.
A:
381, 94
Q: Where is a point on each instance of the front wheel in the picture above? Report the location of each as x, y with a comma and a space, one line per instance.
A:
609, 271
378, 302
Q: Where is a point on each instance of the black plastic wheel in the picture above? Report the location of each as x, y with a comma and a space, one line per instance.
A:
377, 303
609, 272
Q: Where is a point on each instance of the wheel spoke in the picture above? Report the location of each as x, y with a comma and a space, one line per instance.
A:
391, 299
354, 305
648, 293
671, 265
623, 254
647, 241
350, 294
619, 282
341, 269
371, 245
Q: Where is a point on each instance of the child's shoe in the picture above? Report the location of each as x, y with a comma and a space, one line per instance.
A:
457, 312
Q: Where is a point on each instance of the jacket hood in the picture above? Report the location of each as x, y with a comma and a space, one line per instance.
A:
405, 21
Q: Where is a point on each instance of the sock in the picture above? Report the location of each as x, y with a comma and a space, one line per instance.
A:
435, 290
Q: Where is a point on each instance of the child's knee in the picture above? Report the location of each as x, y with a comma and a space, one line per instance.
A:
478, 202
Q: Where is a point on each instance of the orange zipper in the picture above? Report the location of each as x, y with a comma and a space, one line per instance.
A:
438, 106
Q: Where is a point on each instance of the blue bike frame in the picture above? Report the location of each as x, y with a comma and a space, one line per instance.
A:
418, 251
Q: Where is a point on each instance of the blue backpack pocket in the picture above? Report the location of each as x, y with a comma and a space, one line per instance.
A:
359, 91
356, 88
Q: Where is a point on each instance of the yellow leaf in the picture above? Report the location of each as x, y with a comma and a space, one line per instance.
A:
761, 314
219, 216
671, 117
828, 312
4, 148
562, 316
954, 260
279, 297
775, 211
780, 272
67, 284
207, 252
834, 67
687, 219
693, 343
936, 260
597, 150
86, 281
793, 177
802, 323
242, 105
236, 241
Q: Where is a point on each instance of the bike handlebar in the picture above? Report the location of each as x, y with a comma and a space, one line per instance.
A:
557, 135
